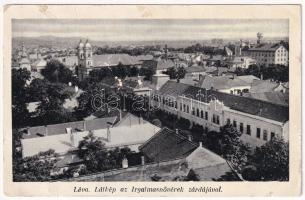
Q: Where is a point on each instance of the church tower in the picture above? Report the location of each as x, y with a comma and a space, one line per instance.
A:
85, 62
88, 54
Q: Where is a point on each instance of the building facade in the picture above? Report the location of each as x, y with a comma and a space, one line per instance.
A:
258, 120
268, 54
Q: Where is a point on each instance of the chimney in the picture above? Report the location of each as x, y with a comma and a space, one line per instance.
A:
76, 89
189, 137
140, 120
200, 144
177, 131
108, 133
262, 76
46, 133
69, 130
124, 163
72, 137
142, 160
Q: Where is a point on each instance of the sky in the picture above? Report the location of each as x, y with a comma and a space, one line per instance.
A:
150, 29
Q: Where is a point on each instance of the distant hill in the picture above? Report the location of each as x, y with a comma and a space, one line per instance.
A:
66, 42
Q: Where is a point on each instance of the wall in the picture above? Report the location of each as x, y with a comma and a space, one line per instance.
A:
281, 56
217, 108
254, 122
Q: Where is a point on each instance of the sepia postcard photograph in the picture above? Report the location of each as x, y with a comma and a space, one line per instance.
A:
152, 100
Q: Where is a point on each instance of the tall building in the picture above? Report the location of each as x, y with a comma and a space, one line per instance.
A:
258, 120
85, 61
268, 54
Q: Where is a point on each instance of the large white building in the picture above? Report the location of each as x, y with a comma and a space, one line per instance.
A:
268, 54
258, 120
129, 131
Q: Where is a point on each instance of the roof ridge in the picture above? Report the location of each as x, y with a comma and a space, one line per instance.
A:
237, 96
154, 136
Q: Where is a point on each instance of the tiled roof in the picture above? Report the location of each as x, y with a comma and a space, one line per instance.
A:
69, 60
248, 78
259, 86
172, 88
208, 165
194, 69
274, 97
239, 103
57, 129
106, 60
265, 47
221, 82
167, 145
189, 81
61, 144
164, 64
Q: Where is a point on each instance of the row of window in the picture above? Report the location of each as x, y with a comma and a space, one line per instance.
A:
169, 102
248, 130
199, 113
185, 108
281, 59
281, 55
269, 54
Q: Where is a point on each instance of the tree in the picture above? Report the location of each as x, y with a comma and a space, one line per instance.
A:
92, 150
50, 109
91, 100
121, 70
99, 74
180, 73
38, 89
34, 168
176, 73
134, 71
55, 71
171, 72
228, 144
147, 72
275, 72
96, 157
272, 160
20, 113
